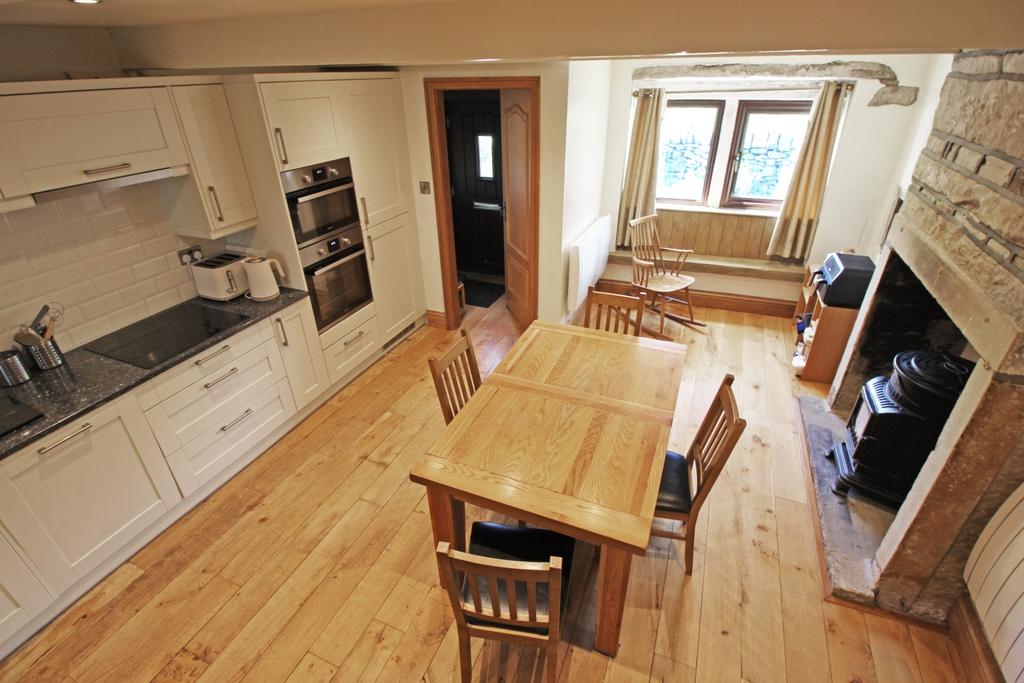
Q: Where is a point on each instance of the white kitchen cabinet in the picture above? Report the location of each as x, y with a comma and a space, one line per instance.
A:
249, 420
303, 356
22, 596
215, 200
306, 122
53, 140
392, 268
76, 496
373, 112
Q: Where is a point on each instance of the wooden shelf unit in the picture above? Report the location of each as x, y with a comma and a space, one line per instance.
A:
832, 325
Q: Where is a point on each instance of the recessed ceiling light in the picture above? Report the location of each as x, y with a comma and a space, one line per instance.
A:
86, 2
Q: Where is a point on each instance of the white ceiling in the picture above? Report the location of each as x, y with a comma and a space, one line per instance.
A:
157, 12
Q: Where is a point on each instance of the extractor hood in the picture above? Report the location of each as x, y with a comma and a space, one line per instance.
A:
110, 184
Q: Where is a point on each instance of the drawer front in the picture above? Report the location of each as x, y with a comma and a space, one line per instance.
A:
346, 354
54, 140
333, 335
204, 365
74, 497
222, 444
188, 413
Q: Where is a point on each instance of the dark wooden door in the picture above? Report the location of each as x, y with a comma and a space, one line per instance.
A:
475, 168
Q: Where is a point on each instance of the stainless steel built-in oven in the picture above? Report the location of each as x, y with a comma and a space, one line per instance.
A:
321, 200
336, 275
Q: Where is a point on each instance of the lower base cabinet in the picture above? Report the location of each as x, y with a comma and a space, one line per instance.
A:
22, 596
73, 498
249, 422
345, 355
299, 342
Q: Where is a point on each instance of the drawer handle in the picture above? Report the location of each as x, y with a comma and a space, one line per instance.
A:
213, 355
355, 339
229, 425
216, 202
210, 385
107, 169
284, 334
78, 432
284, 150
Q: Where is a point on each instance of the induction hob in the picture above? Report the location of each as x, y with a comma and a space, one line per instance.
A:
160, 337
14, 414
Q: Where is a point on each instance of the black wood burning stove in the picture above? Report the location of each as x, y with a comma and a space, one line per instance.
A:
895, 424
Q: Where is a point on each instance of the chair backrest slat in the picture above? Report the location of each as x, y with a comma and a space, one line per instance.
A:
613, 312
714, 442
645, 243
456, 376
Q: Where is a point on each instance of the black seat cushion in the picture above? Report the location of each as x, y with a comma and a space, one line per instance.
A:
674, 492
523, 544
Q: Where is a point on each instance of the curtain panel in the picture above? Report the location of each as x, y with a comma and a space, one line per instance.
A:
798, 219
641, 181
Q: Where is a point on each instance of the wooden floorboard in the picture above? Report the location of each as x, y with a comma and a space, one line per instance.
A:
316, 562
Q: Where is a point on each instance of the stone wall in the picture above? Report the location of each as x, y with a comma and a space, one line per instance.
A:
961, 232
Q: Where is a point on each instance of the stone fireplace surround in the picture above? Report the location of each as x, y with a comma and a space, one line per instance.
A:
961, 233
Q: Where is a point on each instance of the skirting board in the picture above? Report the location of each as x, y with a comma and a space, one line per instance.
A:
778, 308
436, 319
68, 597
971, 645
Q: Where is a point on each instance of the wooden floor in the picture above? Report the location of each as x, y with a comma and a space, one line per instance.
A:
315, 562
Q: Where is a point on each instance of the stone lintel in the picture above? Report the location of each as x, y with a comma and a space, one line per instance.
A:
837, 69
901, 95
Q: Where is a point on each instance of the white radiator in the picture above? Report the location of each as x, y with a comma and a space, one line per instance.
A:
588, 257
995, 578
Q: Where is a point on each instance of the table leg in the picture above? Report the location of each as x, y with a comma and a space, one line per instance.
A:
447, 517
612, 582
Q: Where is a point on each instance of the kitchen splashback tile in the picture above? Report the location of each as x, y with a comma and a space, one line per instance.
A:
109, 257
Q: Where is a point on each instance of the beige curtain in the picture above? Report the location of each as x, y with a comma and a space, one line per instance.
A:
798, 220
642, 164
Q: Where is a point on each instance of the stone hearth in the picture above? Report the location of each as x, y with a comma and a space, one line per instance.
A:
960, 232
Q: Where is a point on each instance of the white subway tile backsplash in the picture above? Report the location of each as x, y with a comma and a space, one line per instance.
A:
108, 257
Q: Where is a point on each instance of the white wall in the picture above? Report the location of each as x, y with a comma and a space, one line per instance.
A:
30, 53
586, 131
553, 87
876, 146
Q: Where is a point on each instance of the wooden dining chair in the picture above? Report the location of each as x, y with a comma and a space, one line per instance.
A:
510, 586
614, 312
686, 480
456, 376
657, 277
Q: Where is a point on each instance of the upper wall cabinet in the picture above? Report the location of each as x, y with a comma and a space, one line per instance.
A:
53, 140
373, 108
306, 122
215, 200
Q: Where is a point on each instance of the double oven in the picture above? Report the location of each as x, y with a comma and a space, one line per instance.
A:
322, 203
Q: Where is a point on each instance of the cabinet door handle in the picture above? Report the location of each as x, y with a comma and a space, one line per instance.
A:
284, 334
78, 432
229, 425
366, 214
213, 355
107, 169
369, 247
216, 202
210, 385
354, 339
280, 141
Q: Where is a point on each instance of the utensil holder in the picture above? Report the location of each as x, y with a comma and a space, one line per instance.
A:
47, 355
13, 369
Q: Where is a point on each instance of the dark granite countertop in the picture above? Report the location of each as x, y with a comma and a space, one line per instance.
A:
87, 380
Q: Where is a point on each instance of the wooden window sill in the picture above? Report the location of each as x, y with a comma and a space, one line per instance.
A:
729, 265
725, 210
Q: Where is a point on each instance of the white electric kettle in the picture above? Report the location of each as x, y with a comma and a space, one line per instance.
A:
260, 272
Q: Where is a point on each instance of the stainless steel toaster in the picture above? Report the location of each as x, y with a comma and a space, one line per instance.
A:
221, 277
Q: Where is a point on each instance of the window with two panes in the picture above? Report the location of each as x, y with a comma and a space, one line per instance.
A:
762, 152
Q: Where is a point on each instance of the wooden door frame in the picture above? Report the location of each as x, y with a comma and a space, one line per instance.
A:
434, 89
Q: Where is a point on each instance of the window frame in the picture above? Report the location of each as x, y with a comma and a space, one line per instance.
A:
743, 110
719, 105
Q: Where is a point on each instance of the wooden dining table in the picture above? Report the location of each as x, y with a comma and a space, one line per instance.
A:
568, 433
